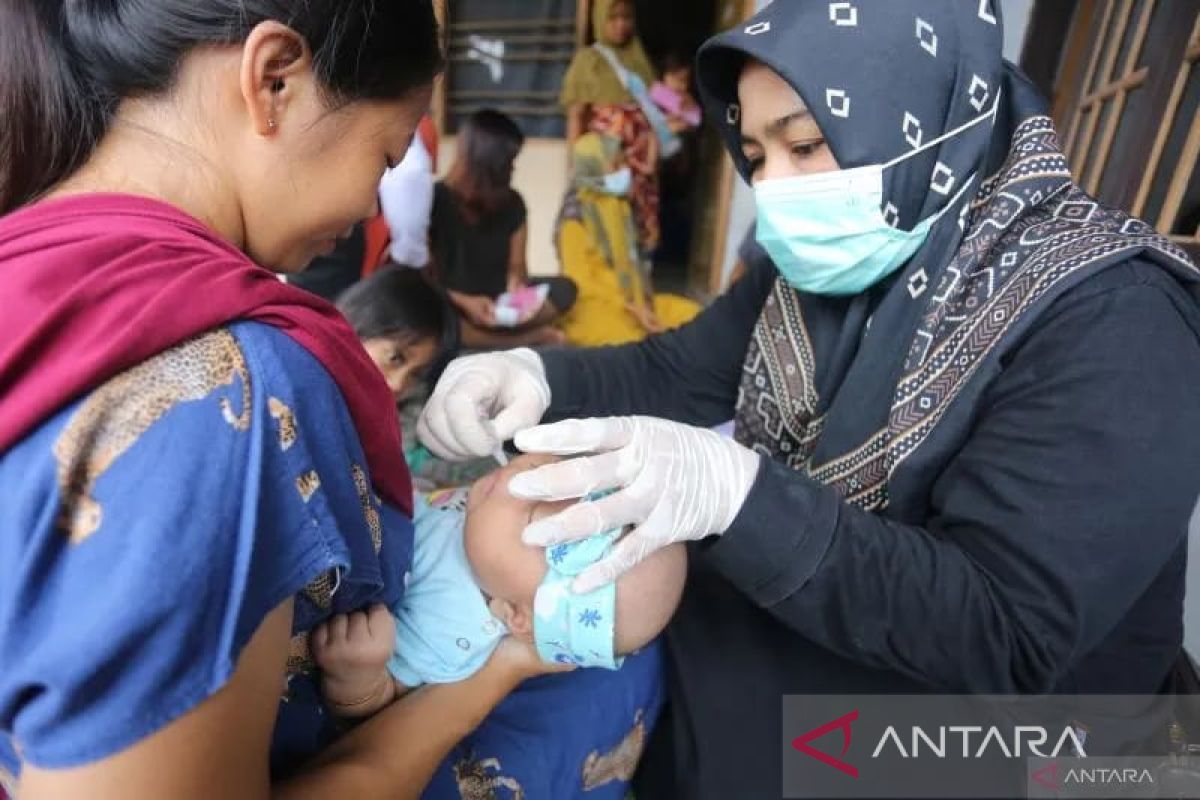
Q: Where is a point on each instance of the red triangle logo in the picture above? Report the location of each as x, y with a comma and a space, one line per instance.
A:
842, 723
1047, 776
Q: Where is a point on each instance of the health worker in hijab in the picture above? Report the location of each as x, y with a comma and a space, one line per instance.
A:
964, 455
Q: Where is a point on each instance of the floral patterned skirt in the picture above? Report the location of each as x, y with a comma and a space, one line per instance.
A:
629, 124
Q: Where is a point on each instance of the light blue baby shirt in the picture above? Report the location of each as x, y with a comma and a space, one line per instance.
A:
444, 631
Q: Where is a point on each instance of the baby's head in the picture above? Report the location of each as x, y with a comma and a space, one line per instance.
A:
509, 572
677, 72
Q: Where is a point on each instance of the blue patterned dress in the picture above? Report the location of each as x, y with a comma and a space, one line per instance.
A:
148, 528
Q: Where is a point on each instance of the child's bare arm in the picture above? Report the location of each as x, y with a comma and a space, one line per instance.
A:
352, 651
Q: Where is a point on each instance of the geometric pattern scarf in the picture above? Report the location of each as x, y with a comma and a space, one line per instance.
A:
1029, 235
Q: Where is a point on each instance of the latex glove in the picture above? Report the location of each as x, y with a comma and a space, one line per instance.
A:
482, 401
676, 483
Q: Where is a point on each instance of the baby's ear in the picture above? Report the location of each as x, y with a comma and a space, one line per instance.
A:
519, 621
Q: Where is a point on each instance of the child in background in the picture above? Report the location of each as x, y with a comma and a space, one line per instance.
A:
673, 94
401, 320
678, 175
410, 332
473, 582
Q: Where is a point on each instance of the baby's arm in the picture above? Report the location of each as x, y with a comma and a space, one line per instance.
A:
352, 651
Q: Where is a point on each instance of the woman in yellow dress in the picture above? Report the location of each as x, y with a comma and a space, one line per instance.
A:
606, 91
599, 248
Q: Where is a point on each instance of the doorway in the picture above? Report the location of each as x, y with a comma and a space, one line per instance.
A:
672, 31
697, 191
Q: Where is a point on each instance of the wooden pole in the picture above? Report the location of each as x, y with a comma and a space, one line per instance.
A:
438, 104
724, 188
583, 23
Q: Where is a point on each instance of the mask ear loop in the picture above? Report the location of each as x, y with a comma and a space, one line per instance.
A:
948, 135
991, 114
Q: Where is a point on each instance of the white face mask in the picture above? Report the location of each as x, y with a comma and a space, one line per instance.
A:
827, 234
619, 183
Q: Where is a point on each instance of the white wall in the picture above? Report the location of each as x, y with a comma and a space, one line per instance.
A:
1016, 22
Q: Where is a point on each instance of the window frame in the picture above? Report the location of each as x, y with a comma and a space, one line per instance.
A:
1087, 76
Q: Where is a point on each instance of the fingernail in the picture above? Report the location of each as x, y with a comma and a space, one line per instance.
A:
537, 535
526, 439
535, 440
528, 486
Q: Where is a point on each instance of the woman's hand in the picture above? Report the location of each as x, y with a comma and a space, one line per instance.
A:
645, 317
522, 660
643, 166
653, 155
352, 651
674, 482
480, 311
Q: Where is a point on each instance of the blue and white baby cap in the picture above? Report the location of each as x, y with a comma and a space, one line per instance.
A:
571, 628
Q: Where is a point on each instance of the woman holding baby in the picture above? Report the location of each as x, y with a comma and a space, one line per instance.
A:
607, 91
963, 394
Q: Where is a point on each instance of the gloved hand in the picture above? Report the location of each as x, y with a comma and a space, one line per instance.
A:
676, 483
481, 401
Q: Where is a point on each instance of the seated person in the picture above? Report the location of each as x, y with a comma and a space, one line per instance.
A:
409, 331
479, 235
473, 582
600, 250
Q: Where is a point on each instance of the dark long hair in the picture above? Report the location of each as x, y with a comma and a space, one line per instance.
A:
395, 301
482, 173
399, 302
65, 65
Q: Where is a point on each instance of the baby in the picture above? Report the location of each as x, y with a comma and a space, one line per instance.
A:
473, 582
673, 95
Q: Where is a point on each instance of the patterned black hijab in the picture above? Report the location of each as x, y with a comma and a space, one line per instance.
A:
881, 79
847, 389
